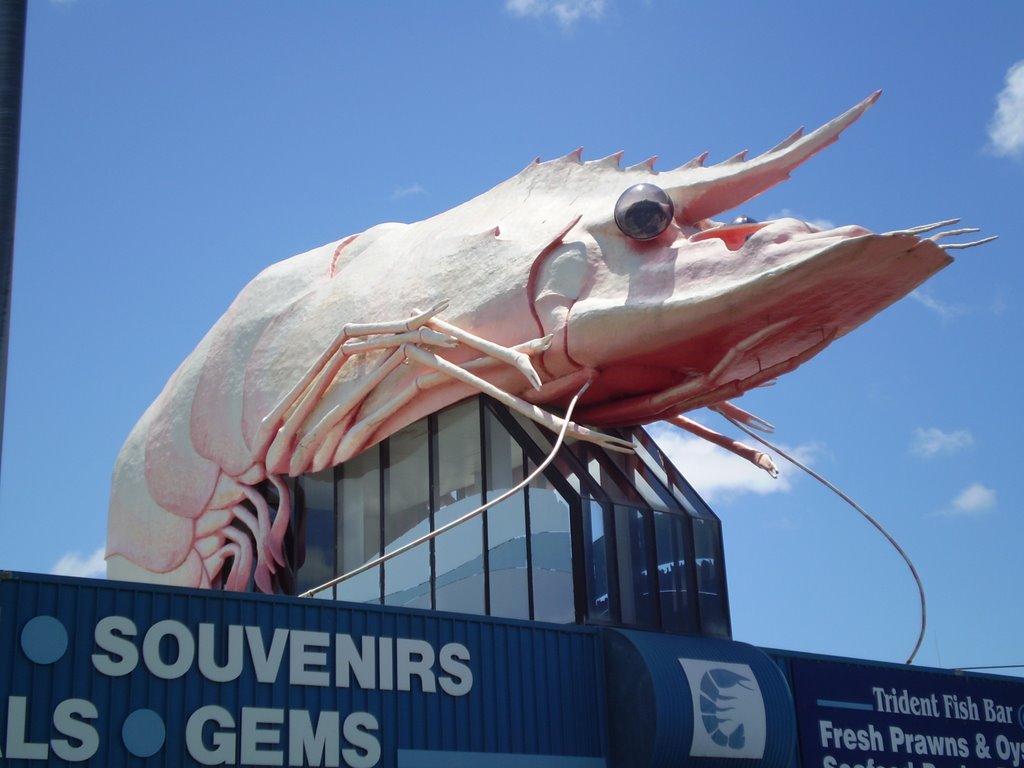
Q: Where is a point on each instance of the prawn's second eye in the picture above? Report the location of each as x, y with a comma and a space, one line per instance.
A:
643, 211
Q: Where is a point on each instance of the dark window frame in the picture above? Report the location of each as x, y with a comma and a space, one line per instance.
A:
705, 613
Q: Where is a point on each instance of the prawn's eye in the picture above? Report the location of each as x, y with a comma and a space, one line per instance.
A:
643, 211
743, 220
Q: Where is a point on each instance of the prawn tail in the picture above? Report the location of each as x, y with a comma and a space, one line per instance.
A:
149, 540
211, 531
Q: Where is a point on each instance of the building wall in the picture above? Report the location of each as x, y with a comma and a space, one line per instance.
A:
118, 674
114, 674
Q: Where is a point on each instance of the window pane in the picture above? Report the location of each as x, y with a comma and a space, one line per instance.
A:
677, 610
635, 579
407, 517
644, 447
546, 441
316, 504
652, 455
506, 524
359, 526
551, 552
599, 606
646, 479
714, 616
605, 473
459, 553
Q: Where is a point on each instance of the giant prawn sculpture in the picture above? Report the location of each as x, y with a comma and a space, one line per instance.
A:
569, 272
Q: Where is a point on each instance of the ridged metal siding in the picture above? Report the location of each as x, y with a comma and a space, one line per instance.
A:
536, 688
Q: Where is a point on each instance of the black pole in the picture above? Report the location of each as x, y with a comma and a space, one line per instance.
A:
12, 65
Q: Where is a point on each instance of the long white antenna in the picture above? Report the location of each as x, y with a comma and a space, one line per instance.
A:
869, 518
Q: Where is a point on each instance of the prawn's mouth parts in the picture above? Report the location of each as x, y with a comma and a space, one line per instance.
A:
806, 288
756, 236
732, 235
738, 236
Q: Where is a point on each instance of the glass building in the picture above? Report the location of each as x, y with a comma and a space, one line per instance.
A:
597, 538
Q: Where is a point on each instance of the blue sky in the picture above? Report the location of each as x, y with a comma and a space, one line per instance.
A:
170, 151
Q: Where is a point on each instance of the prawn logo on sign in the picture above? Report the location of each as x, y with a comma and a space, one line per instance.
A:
728, 710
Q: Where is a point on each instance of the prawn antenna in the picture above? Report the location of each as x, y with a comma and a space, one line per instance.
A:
866, 516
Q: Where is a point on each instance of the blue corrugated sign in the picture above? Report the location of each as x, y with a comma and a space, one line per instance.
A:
883, 716
111, 674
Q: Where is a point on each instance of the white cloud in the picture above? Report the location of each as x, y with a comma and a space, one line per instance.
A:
89, 567
566, 12
786, 213
1000, 302
412, 189
931, 442
1006, 131
972, 501
943, 310
718, 474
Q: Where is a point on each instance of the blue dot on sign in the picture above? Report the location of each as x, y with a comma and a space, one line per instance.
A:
143, 733
44, 639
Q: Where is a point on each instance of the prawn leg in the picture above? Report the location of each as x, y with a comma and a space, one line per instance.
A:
294, 408
754, 456
333, 437
288, 451
530, 411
